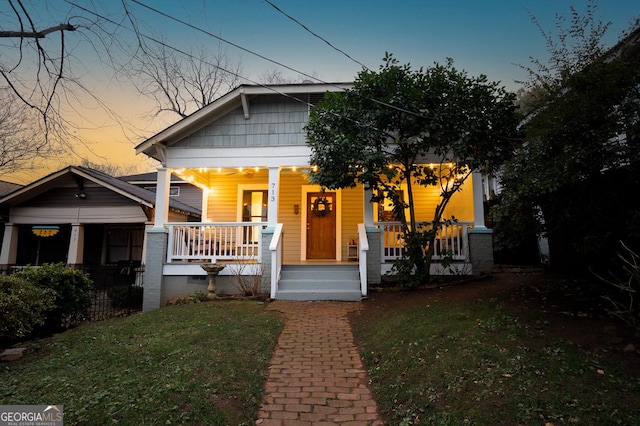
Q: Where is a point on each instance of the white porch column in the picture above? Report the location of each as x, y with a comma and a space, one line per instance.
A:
162, 197
204, 208
145, 242
368, 208
478, 205
76, 245
274, 196
9, 250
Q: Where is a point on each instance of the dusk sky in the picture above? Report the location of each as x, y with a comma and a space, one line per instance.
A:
483, 37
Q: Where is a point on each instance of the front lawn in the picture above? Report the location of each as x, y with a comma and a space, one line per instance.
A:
438, 359
196, 364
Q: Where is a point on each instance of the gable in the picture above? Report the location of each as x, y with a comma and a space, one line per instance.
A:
274, 120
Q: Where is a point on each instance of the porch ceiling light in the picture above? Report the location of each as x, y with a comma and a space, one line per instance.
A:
45, 231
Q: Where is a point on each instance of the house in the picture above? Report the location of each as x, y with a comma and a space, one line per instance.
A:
5, 188
81, 217
261, 216
179, 189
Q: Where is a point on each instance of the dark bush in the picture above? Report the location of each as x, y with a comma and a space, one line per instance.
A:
126, 297
72, 287
23, 306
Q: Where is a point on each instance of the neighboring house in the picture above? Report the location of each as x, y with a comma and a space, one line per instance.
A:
261, 216
81, 217
5, 188
179, 190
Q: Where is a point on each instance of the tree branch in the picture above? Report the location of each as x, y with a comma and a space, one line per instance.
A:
37, 34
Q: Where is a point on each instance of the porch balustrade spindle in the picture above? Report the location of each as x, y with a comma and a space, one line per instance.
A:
212, 241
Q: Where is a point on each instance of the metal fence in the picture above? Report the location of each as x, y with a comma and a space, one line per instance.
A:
117, 289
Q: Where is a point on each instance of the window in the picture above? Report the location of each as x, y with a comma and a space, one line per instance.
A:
386, 213
254, 209
124, 244
254, 206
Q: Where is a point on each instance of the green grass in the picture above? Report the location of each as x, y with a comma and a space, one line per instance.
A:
472, 363
196, 364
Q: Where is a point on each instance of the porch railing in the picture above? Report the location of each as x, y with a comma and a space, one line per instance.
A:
450, 240
214, 241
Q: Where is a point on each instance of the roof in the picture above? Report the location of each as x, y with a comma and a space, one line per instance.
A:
7, 187
148, 178
223, 105
141, 196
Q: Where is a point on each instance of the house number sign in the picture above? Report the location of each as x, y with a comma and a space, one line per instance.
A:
273, 192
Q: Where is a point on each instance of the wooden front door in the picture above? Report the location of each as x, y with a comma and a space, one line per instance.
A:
321, 225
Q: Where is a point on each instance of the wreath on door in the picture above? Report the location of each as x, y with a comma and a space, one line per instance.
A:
321, 207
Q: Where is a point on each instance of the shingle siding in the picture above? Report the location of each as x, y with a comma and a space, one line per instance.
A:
274, 120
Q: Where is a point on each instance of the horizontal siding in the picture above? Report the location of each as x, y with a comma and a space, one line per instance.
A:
461, 204
223, 205
352, 215
223, 192
190, 195
291, 194
84, 214
427, 198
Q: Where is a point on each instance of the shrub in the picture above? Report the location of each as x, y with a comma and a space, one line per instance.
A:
23, 306
126, 296
196, 297
72, 287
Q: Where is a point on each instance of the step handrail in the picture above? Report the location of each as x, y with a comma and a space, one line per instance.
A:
363, 244
275, 247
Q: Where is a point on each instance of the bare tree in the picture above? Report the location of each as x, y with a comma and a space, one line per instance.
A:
34, 69
183, 82
40, 70
112, 169
21, 143
275, 76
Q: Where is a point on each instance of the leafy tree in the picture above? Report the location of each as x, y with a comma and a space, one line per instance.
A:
418, 127
580, 158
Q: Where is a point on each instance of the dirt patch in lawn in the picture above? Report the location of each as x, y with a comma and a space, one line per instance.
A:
564, 308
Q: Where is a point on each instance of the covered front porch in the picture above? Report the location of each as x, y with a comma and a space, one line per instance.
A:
278, 226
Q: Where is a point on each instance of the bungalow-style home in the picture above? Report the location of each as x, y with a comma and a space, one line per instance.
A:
5, 188
81, 217
262, 217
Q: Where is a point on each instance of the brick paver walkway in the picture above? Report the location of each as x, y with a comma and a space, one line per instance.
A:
316, 375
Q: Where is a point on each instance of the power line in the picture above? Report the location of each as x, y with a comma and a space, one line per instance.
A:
316, 35
140, 34
244, 49
188, 24
182, 52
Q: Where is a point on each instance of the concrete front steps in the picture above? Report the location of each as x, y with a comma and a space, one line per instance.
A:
319, 282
